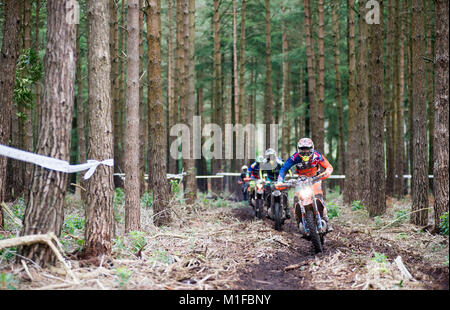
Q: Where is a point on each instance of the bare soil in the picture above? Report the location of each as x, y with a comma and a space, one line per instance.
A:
219, 245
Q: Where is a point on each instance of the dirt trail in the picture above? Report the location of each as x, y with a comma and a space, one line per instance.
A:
342, 265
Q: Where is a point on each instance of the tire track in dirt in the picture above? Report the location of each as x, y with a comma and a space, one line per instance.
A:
342, 244
269, 273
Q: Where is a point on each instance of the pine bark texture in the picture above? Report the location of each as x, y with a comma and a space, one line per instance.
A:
157, 181
337, 64
284, 91
190, 183
45, 208
319, 129
441, 111
377, 199
363, 109
131, 152
268, 96
172, 102
81, 119
8, 59
217, 163
27, 126
310, 65
419, 182
352, 154
100, 187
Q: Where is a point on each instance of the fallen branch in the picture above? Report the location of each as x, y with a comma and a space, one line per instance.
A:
400, 217
11, 214
41, 238
403, 269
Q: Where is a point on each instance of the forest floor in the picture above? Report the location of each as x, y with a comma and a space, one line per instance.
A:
217, 244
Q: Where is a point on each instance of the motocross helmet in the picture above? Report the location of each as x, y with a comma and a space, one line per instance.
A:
244, 168
260, 159
305, 149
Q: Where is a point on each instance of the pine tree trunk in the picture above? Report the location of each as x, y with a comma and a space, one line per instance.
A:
217, 164
27, 123
157, 180
363, 110
242, 72
121, 95
100, 187
80, 113
397, 123
441, 126
115, 89
38, 85
419, 184
8, 59
143, 106
268, 97
310, 65
352, 151
377, 195
319, 129
131, 152
173, 110
429, 27
284, 89
337, 63
45, 208
410, 91
190, 183
388, 98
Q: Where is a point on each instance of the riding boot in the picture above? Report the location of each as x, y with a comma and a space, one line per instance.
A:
329, 227
288, 214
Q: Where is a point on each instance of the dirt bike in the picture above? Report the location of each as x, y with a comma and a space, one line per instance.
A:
256, 196
278, 208
308, 214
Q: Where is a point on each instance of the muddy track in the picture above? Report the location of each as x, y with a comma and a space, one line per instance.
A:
271, 274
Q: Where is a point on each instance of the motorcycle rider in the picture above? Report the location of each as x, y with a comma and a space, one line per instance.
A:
308, 162
244, 185
254, 172
267, 167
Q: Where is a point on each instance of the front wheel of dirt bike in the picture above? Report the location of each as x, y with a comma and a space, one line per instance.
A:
277, 216
314, 234
259, 208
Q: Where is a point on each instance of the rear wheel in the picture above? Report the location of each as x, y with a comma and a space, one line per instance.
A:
314, 234
259, 208
277, 216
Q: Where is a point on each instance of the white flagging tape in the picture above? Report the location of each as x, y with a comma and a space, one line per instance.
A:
53, 163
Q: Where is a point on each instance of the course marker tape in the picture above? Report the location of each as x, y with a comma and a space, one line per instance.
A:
53, 163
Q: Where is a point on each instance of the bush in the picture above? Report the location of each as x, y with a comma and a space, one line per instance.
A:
401, 216
332, 210
444, 223
71, 223
138, 240
147, 200
380, 258
357, 205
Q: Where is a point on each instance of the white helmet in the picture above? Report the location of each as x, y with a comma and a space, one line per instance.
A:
260, 159
269, 152
244, 167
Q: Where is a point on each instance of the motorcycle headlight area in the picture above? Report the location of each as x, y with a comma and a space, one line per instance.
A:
305, 192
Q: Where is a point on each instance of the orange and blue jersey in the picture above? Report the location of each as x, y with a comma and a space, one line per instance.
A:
309, 168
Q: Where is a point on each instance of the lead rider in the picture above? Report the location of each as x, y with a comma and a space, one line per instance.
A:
308, 162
